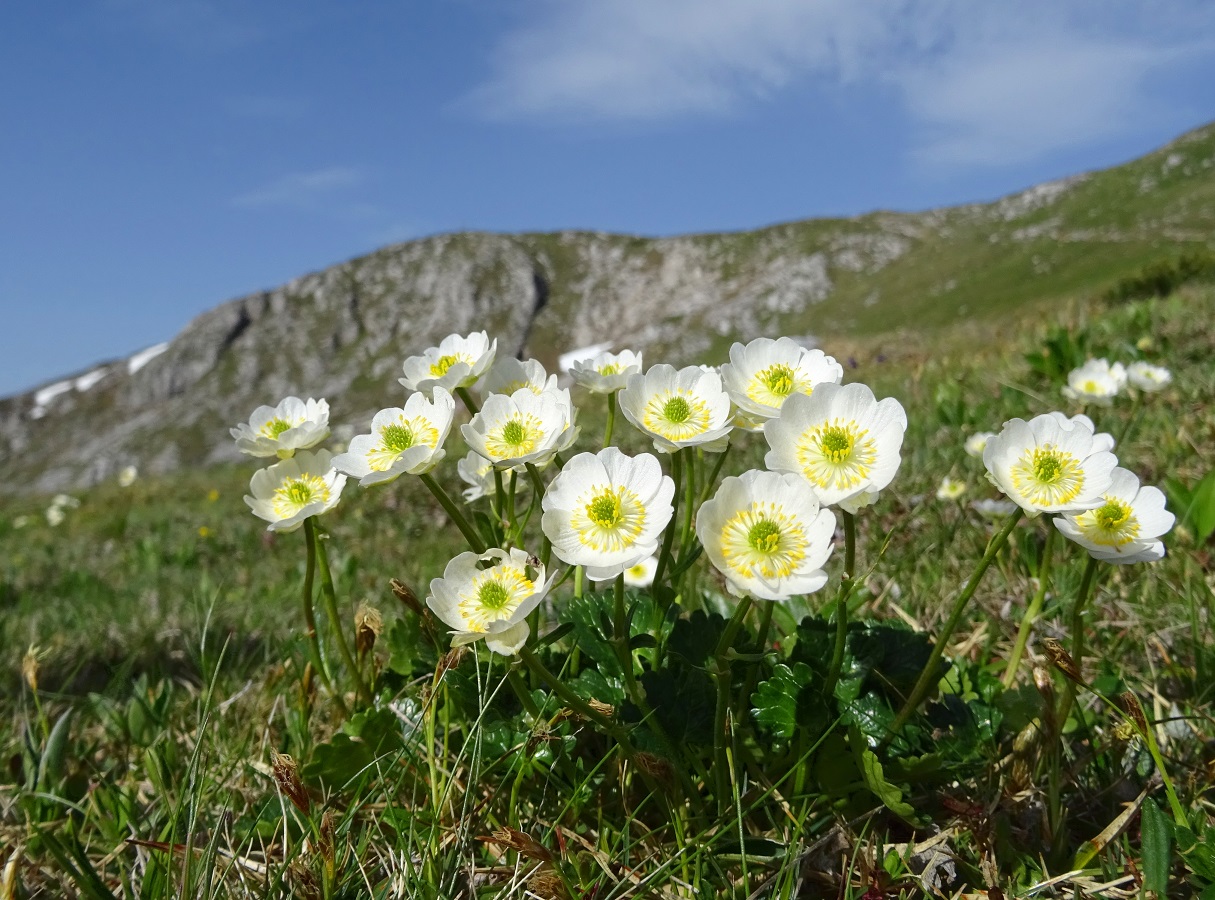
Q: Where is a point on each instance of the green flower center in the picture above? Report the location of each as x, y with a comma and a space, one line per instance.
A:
397, 437
779, 379
764, 536
492, 595
1112, 515
676, 410
299, 492
514, 433
443, 363
610, 369
836, 443
275, 427
604, 510
1048, 467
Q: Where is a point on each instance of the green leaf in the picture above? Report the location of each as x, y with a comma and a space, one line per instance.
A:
1200, 514
50, 766
1157, 846
875, 779
695, 638
683, 699
789, 699
364, 741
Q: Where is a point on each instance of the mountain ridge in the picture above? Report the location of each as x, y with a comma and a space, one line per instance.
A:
341, 332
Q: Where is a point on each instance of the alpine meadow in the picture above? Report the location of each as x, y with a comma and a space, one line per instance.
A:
858, 558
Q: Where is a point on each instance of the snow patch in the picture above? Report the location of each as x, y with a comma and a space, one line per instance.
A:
44, 396
566, 360
88, 379
143, 357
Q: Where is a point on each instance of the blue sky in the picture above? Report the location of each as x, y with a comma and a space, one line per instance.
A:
158, 157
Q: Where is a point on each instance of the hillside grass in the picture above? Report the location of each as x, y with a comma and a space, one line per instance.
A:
162, 627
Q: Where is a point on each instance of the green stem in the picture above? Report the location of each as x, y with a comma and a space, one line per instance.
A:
510, 502
689, 503
1034, 608
1130, 422
611, 420
453, 512
841, 605
1087, 581
712, 479
761, 646
721, 673
546, 550
578, 572
664, 555
499, 495
314, 644
463, 394
928, 676
335, 619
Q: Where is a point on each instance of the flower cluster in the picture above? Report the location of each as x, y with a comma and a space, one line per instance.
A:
1099, 381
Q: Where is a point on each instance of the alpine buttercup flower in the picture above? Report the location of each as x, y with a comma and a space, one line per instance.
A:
977, 442
1126, 526
1101, 440
1147, 377
290, 491
489, 595
763, 374
950, 489
402, 441
766, 533
523, 428
294, 424
606, 372
606, 511
1096, 382
508, 375
1046, 465
678, 408
457, 362
841, 439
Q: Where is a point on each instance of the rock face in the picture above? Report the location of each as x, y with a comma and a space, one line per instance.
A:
342, 333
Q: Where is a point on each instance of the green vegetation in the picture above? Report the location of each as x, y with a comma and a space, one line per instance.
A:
165, 735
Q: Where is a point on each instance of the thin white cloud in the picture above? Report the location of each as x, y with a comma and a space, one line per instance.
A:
301, 190
983, 83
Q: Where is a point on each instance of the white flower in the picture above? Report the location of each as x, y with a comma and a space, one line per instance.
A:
950, 489
523, 428
508, 375
55, 515
994, 509
606, 511
1101, 440
1148, 377
402, 441
65, 501
606, 373
127, 476
478, 473
762, 375
1125, 527
639, 575
684, 408
290, 491
766, 533
294, 424
489, 595
1096, 382
841, 439
1044, 465
21, 521
457, 362
977, 442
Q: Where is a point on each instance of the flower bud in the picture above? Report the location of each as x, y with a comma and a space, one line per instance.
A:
367, 627
286, 773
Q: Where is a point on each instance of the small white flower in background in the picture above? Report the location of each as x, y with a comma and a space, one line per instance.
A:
21, 521
841, 439
65, 501
1145, 344
1101, 440
478, 473
127, 476
607, 511
762, 375
678, 408
489, 595
950, 489
508, 375
766, 533
523, 428
290, 491
294, 424
1147, 377
606, 372
994, 509
457, 362
1127, 524
1046, 465
403, 441
639, 575
976, 443
55, 515
1096, 382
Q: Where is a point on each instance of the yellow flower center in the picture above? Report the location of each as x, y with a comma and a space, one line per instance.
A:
778, 379
494, 595
610, 369
396, 437
293, 495
399, 436
1047, 476
274, 428
837, 454
610, 519
1111, 525
1090, 387
515, 437
1112, 515
676, 416
773, 385
763, 541
439, 367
